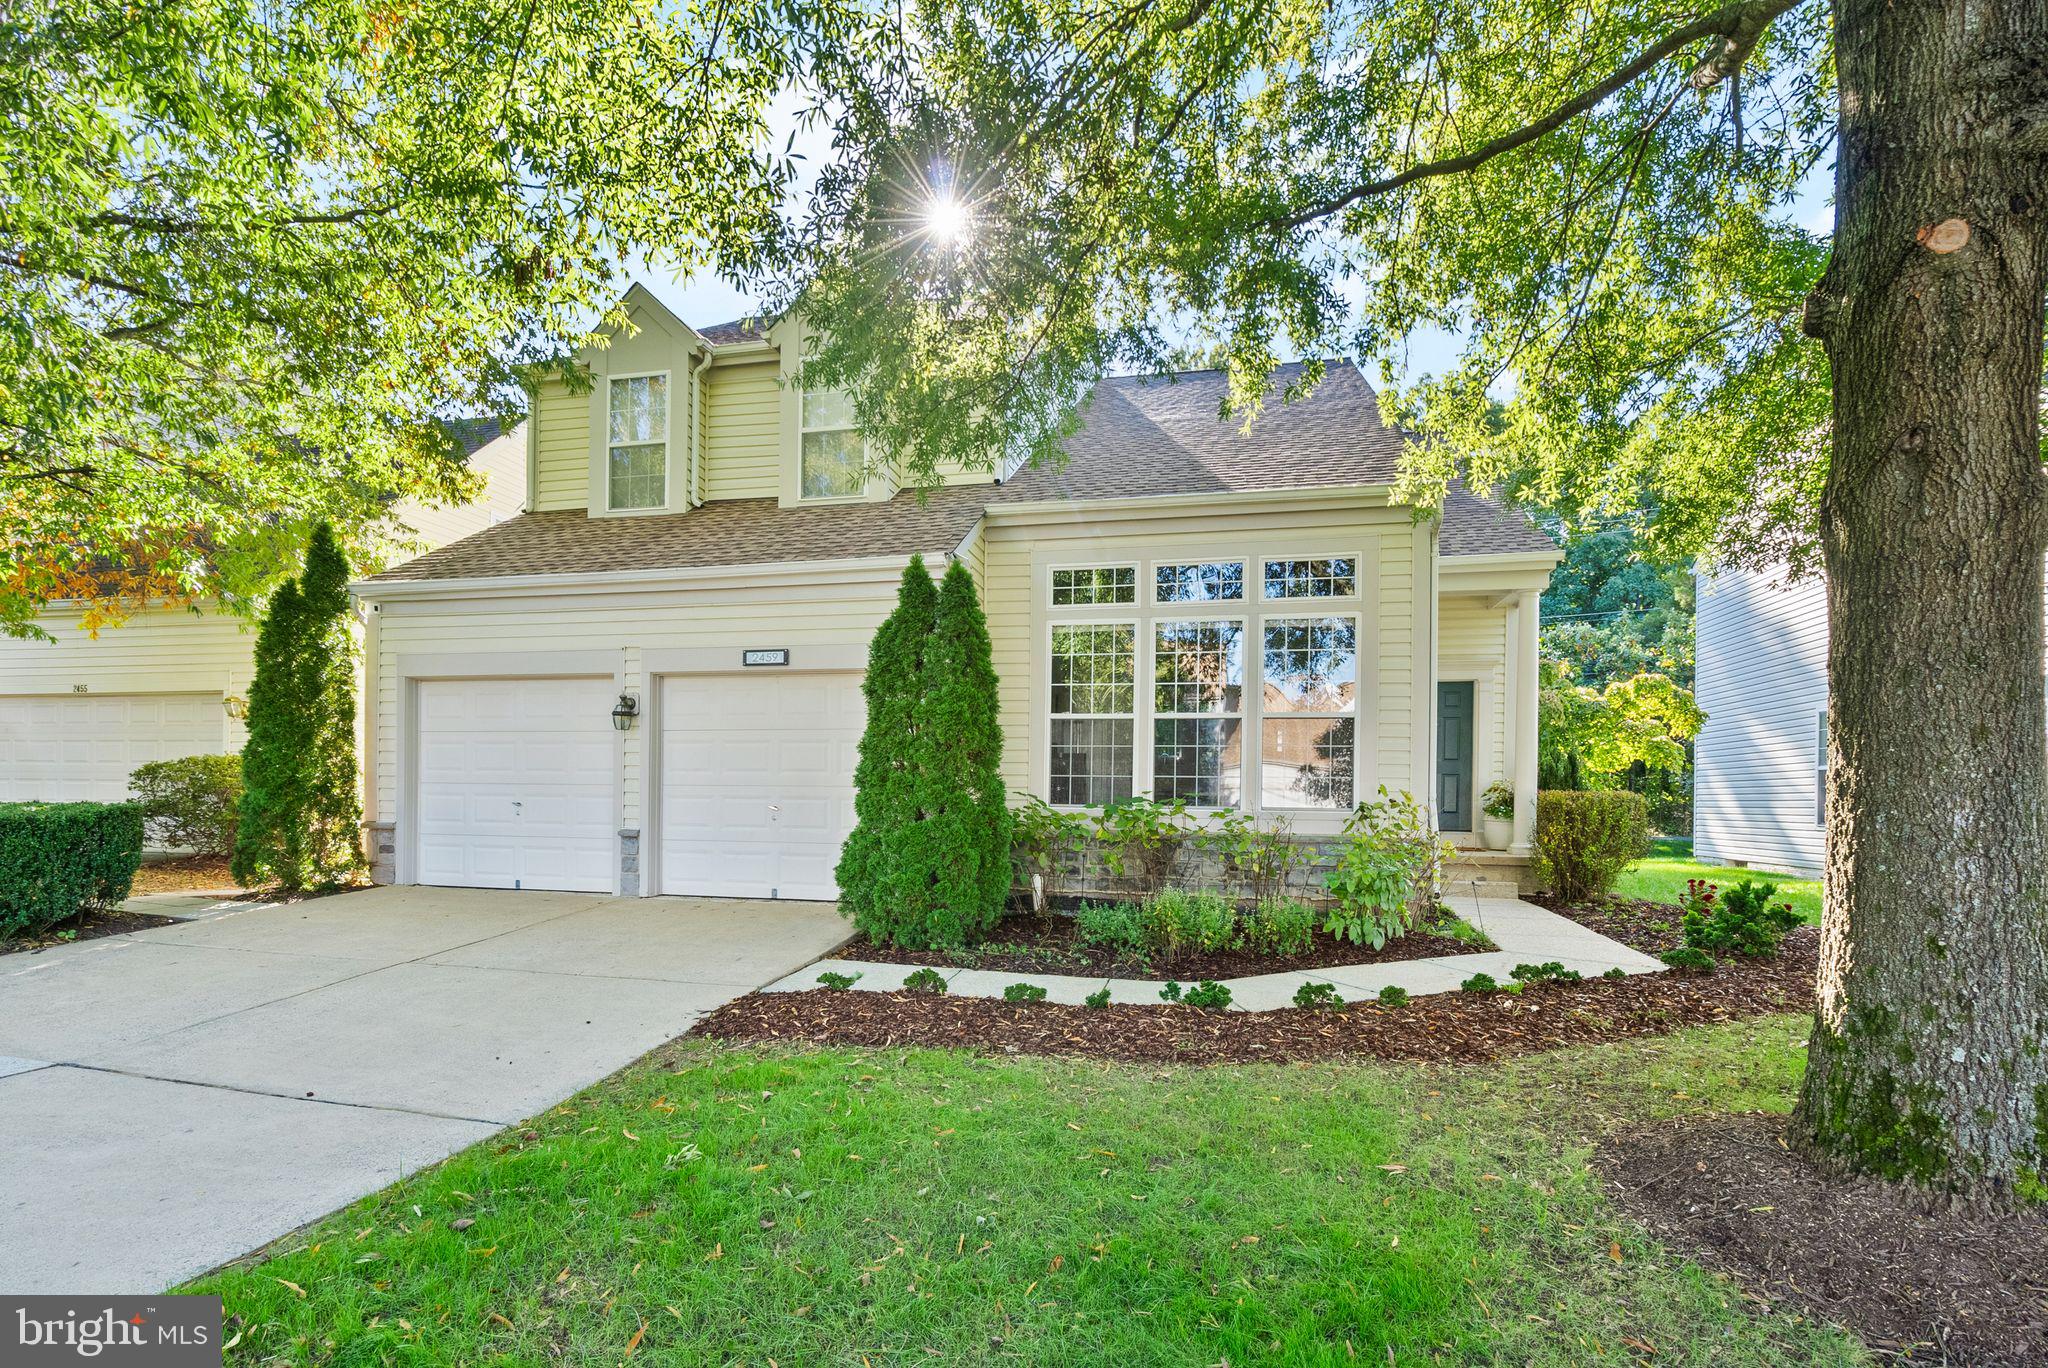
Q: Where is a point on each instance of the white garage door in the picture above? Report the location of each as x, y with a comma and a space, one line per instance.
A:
66, 748
516, 783
757, 782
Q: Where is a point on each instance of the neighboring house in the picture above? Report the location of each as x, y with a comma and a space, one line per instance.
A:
1760, 763
650, 682
79, 713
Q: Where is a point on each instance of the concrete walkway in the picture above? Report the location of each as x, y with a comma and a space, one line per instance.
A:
173, 1098
1524, 933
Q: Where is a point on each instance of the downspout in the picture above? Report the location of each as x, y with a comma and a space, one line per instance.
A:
696, 493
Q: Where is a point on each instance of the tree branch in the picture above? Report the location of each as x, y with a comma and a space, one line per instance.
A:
1739, 26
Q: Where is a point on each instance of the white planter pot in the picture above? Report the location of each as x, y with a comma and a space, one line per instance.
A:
1497, 832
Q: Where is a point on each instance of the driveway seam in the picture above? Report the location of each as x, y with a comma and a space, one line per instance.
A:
492, 1122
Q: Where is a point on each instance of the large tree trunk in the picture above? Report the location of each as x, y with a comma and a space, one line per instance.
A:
1927, 1058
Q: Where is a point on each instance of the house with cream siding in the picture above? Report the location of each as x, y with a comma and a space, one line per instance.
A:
649, 682
79, 712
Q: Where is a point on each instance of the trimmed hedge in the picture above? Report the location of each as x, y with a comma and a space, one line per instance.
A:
1585, 839
191, 803
60, 859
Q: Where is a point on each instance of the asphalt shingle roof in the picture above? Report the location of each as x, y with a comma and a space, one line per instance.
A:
1137, 439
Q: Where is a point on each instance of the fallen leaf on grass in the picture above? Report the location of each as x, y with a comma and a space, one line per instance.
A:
500, 1320
634, 1343
462, 1223
1614, 1251
287, 1282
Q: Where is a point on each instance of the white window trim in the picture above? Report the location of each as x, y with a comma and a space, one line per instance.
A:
1138, 598
1140, 670
1359, 606
867, 474
1244, 687
668, 447
1357, 576
1237, 604
1355, 613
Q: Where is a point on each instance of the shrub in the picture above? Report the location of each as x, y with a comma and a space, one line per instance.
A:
1743, 921
1116, 926
1323, 995
1098, 998
1615, 973
1177, 922
1389, 873
1481, 983
1263, 857
1551, 972
1393, 995
1023, 992
300, 816
1278, 926
1207, 993
1584, 840
884, 788
1688, 960
1498, 801
929, 981
191, 803
58, 860
1142, 838
1041, 838
838, 982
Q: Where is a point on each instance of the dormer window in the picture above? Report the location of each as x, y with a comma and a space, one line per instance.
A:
636, 463
831, 461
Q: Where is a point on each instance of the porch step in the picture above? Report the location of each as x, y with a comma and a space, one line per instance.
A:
1457, 886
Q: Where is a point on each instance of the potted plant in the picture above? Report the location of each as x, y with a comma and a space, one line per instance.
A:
1497, 812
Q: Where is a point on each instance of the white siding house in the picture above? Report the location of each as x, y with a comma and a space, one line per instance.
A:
1762, 679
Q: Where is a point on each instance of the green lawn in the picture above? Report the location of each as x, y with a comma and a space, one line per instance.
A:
716, 1205
1661, 876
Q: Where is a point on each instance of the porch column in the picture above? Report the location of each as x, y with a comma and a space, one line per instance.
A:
1525, 674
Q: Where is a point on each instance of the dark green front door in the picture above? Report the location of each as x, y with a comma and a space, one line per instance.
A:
1454, 755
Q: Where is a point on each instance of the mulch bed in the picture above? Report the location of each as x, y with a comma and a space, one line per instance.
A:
1651, 927
186, 874
91, 926
1928, 1287
1449, 1027
1051, 945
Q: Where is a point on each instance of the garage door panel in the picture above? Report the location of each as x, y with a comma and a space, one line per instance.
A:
73, 748
516, 783
757, 783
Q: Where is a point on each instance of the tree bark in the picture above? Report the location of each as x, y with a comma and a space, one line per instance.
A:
1927, 1060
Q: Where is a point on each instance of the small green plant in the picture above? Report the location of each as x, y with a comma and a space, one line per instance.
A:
1177, 922
1115, 926
1208, 993
1142, 838
1098, 998
1743, 921
1277, 926
1444, 922
838, 982
1389, 873
1689, 960
1323, 995
1023, 992
1550, 972
1615, 973
1481, 983
925, 981
1393, 995
1171, 992
1263, 858
1041, 839
1498, 801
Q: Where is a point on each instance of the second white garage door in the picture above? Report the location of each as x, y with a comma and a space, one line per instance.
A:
516, 786
68, 748
757, 782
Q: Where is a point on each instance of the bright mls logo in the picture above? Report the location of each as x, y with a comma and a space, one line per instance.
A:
165, 1332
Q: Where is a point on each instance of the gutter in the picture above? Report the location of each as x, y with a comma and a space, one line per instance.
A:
1142, 505
865, 568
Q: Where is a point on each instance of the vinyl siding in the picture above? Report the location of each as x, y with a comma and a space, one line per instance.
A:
1017, 556
561, 451
502, 463
1762, 681
1472, 643
157, 650
742, 432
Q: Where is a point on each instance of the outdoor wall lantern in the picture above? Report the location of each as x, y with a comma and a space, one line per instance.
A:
624, 711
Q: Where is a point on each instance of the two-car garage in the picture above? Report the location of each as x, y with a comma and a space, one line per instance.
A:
519, 782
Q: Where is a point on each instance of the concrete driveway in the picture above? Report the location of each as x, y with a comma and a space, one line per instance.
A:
174, 1098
